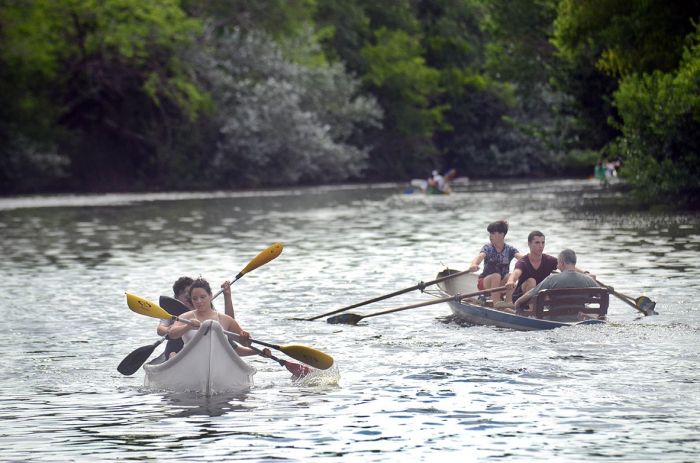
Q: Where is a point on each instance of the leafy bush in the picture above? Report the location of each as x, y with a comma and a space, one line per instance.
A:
661, 131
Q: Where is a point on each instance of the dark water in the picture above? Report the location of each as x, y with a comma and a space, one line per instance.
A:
410, 386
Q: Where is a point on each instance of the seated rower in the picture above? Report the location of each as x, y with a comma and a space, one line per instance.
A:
534, 267
496, 257
201, 297
568, 278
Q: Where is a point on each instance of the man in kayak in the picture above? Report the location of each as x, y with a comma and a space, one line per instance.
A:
569, 277
496, 257
534, 267
180, 292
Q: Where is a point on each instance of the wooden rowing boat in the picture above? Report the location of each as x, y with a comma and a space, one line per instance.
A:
550, 314
207, 364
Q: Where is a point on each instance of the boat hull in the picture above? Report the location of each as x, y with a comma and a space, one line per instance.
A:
207, 364
474, 313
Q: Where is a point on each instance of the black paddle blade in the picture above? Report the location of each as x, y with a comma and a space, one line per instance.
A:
134, 360
173, 306
345, 319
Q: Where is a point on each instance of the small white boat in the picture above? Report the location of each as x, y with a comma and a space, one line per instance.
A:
207, 364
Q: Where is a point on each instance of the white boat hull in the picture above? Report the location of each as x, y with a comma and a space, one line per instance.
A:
207, 364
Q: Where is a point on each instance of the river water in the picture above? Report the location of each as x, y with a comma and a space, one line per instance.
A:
407, 386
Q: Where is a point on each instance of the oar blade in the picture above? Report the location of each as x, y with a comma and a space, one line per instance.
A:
144, 307
134, 360
263, 258
345, 319
646, 305
309, 356
173, 306
298, 369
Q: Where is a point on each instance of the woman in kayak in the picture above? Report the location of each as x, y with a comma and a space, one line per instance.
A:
200, 299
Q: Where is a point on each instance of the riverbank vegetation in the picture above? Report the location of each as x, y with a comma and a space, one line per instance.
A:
124, 95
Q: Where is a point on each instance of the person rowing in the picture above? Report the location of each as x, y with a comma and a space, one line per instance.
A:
201, 299
568, 277
496, 257
181, 293
534, 267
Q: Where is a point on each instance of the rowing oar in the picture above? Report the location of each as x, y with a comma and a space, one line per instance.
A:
642, 303
420, 286
263, 258
352, 319
304, 354
172, 305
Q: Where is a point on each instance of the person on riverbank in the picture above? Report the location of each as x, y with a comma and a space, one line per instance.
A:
599, 171
496, 257
201, 300
180, 292
534, 267
568, 277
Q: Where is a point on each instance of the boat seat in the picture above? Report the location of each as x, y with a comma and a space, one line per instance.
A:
553, 303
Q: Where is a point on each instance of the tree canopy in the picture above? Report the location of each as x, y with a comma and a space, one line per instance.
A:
124, 95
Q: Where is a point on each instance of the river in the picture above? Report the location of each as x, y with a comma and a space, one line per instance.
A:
408, 386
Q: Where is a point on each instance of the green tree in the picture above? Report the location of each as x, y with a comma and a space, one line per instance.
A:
660, 115
101, 79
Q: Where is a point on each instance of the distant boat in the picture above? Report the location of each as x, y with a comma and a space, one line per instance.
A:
427, 187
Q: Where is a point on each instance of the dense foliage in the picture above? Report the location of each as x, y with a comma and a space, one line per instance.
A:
117, 95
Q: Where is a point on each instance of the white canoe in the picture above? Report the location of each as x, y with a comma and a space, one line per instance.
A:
207, 364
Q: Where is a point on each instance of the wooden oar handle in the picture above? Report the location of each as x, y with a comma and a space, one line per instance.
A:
420, 286
456, 297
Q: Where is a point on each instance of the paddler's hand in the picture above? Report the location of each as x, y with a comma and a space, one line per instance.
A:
473, 268
510, 285
245, 338
227, 288
266, 353
195, 323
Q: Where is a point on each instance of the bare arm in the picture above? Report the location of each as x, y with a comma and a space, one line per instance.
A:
163, 329
232, 325
228, 302
179, 328
585, 272
477, 260
513, 278
522, 301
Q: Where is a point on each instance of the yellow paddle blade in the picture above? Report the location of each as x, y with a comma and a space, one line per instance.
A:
263, 258
144, 307
309, 356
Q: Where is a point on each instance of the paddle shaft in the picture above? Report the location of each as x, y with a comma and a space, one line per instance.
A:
352, 319
420, 286
266, 344
263, 258
626, 299
456, 298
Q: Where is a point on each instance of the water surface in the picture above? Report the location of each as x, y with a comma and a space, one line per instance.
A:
409, 386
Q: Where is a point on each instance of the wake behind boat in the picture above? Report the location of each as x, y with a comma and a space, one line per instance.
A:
207, 364
593, 302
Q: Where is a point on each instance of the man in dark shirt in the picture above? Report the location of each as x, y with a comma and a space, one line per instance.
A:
534, 267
